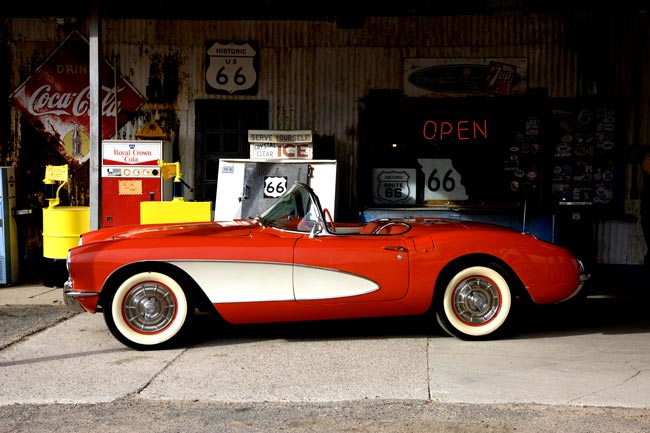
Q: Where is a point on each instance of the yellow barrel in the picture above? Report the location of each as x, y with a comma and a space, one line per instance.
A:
62, 226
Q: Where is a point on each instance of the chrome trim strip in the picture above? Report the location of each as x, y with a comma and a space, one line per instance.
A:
76, 295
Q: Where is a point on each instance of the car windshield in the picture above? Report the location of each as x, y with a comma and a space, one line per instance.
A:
297, 209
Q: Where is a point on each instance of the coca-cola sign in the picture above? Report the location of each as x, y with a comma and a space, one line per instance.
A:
56, 99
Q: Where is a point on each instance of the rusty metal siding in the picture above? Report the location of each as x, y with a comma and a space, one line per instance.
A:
619, 242
314, 74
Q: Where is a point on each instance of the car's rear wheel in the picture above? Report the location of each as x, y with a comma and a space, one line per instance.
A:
149, 310
476, 303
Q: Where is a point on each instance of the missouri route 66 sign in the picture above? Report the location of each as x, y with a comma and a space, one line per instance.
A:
232, 68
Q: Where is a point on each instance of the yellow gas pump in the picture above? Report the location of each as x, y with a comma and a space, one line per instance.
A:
177, 210
54, 174
62, 225
173, 169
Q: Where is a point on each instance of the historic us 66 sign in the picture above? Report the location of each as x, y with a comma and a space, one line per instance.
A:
231, 67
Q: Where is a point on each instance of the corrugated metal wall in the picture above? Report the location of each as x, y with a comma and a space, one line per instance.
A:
313, 73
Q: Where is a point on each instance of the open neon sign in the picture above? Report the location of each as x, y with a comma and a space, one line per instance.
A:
460, 130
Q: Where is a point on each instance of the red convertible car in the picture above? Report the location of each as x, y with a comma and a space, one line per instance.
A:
294, 263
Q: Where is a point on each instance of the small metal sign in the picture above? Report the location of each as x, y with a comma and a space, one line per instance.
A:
232, 68
266, 144
394, 186
451, 77
275, 186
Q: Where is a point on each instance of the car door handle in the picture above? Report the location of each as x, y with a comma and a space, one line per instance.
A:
395, 248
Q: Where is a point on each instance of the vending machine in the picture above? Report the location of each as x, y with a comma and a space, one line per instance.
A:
247, 187
130, 175
8, 230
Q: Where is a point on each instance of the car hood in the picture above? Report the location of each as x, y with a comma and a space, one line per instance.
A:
166, 230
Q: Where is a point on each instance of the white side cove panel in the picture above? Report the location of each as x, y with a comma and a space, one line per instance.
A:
225, 282
315, 283
228, 282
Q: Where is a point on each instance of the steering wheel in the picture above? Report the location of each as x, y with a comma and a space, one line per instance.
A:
388, 224
328, 220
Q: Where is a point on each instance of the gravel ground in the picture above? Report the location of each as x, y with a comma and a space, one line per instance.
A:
377, 417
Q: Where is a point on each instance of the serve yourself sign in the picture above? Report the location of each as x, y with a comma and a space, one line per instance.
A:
274, 145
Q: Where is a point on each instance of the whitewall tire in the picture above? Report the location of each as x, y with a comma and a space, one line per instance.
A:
476, 303
148, 310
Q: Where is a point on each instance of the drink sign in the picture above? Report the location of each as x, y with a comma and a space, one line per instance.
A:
55, 99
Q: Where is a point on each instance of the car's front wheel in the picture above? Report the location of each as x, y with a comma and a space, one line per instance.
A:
476, 303
148, 310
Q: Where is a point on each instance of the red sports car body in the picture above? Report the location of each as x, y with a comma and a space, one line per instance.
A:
293, 263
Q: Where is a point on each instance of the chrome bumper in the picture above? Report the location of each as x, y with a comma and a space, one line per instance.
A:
70, 297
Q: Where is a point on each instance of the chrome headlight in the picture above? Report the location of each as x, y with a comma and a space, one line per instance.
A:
67, 262
584, 276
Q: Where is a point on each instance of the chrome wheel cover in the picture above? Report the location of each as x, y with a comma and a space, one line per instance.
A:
476, 300
149, 307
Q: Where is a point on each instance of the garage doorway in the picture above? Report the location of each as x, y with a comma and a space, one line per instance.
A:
222, 132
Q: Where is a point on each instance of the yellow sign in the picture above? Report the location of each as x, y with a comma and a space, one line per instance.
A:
168, 171
57, 172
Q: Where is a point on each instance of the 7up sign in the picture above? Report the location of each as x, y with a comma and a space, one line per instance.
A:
231, 68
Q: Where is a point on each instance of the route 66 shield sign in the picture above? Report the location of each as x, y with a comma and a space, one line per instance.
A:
393, 186
274, 186
231, 68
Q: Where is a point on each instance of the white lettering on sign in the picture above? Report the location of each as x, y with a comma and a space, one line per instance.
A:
441, 180
45, 102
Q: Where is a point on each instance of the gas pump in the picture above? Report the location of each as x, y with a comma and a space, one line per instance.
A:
173, 170
177, 210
